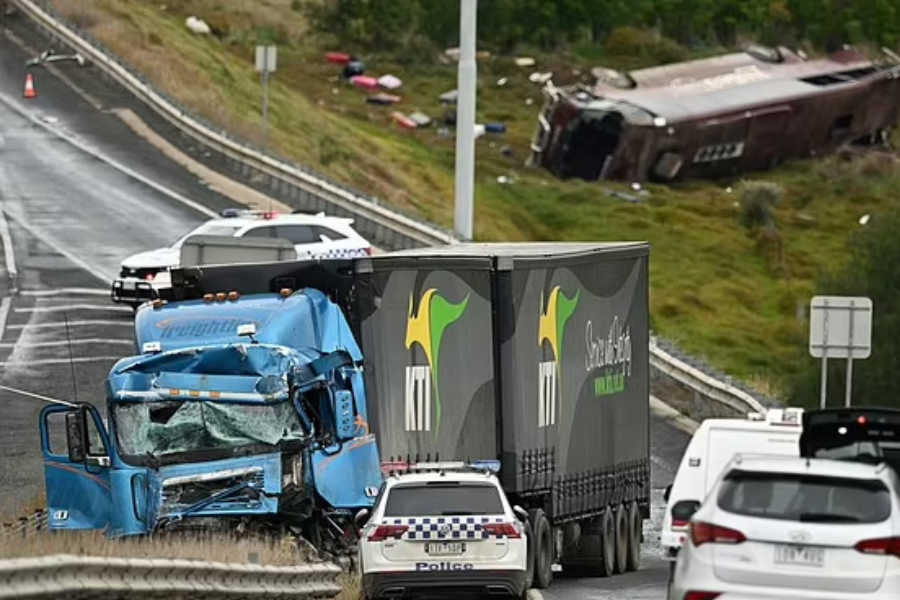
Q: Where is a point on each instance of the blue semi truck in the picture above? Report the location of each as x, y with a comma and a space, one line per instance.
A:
239, 410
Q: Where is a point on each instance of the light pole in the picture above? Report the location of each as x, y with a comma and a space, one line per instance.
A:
465, 120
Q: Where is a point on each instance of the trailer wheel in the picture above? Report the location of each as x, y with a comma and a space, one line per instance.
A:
543, 549
529, 561
606, 565
635, 529
622, 535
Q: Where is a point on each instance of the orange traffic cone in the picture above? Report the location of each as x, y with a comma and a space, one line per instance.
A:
29, 86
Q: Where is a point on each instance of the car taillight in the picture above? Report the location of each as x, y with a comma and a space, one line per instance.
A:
707, 533
500, 529
383, 532
149, 276
701, 595
885, 546
676, 524
369, 251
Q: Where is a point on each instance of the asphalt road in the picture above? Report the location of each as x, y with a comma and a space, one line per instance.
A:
72, 218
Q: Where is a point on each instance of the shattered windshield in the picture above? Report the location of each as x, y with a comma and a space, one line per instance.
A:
158, 429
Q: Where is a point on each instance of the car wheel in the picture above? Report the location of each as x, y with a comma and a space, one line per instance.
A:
622, 535
635, 529
543, 550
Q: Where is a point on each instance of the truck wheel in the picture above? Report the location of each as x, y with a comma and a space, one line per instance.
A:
529, 561
607, 563
622, 535
635, 528
543, 549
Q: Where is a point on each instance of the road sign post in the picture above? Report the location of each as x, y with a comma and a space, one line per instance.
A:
840, 327
266, 61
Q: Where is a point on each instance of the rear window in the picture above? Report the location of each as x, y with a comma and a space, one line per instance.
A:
443, 499
805, 498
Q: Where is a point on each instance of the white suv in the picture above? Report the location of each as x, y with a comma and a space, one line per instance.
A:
783, 528
450, 528
313, 236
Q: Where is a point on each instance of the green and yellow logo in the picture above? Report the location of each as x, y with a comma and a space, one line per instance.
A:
556, 310
425, 326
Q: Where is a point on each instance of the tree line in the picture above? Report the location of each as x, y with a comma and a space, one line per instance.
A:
507, 25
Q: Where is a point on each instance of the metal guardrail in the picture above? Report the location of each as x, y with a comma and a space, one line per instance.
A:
386, 227
25, 526
73, 577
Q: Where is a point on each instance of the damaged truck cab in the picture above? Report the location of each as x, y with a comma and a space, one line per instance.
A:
240, 410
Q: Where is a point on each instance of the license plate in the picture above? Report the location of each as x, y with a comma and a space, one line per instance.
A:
128, 285
804, 556
445, 548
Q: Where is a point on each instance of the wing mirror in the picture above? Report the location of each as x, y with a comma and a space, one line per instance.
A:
521, 513
361, 517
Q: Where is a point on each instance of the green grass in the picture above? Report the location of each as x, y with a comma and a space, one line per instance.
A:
715, 290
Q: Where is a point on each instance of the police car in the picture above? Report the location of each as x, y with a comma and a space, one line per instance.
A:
443, 528
313, 236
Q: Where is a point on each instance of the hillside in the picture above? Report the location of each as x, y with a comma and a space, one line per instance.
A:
722, 291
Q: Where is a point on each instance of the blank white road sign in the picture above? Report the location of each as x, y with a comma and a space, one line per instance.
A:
840, 327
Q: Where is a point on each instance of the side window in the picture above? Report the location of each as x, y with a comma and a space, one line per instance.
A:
264, 232
297, 234
323, 234
58, 444
96, 447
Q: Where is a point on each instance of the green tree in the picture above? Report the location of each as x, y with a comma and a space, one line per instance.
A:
872, 269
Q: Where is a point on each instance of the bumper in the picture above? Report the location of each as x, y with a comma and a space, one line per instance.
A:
449, 583
132, 291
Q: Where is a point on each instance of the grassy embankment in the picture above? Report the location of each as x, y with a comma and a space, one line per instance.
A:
719, 291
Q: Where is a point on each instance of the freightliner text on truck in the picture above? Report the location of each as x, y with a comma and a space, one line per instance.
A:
242, 410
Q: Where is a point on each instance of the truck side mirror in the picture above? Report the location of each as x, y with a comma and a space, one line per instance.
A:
361, 517
667, 492
344, 415
76, 435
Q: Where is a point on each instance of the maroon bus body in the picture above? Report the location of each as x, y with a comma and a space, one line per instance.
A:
715, 117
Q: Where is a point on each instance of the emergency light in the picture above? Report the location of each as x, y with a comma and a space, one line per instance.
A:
490, 466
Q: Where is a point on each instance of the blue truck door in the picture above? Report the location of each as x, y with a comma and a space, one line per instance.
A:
75, 447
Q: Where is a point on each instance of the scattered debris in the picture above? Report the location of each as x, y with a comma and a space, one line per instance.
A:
383, 99
50, 56
403, 121
420, 119
198, 26
365, 82
338, 58
389, 82
449, 97
495, 128
502, 81
352, 69
525, 61
864, 220
503, 179
540, 78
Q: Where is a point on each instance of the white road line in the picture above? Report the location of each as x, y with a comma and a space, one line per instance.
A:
73, 307
66, 292
18, 392
59, 248
103, 158
672, 416
5, 305
59, 361
64, 343
62, 324
8, 250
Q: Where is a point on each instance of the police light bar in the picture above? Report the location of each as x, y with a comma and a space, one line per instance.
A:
233, 213
837, 427
491, 466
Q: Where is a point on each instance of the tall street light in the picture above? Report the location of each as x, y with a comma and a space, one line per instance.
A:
465, 120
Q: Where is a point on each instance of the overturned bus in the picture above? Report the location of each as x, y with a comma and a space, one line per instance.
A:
715, 117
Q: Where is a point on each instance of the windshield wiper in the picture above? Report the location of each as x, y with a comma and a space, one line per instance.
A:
151, 460
827, 518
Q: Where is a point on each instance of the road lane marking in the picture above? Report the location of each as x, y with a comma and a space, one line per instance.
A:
65, 292
72, 308
8, 252
59, 361
63, 324
59, 343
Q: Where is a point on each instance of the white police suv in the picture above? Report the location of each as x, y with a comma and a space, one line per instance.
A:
443, 528
313, 236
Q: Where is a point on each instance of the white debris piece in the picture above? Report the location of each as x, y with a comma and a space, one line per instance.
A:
197, 25
390, 82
